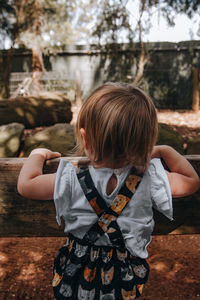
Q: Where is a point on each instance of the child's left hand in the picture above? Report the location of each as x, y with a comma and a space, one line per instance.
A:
32, 183
45, 153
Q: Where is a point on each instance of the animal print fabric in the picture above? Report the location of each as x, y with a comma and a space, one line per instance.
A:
89, 272
84, 271
107, 215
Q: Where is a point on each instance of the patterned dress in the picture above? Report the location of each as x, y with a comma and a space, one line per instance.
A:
84, 270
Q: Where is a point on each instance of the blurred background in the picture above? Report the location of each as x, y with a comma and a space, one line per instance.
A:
75, 45
53, 53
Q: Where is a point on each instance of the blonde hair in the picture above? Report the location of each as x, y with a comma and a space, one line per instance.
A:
120, 122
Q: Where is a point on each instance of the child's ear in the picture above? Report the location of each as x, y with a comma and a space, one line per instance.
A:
83, 135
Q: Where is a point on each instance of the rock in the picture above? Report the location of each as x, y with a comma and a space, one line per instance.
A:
34, 111
168, 136
59, 137
193, 146
10, 139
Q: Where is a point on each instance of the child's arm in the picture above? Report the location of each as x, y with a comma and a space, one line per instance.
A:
182, 177
32, 183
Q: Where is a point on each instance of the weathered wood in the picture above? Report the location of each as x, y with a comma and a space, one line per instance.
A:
195, 162
26, 217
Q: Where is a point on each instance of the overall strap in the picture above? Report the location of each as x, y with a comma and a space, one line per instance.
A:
107, 215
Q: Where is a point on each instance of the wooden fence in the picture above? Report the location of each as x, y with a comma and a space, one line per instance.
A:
21, 83
26, 217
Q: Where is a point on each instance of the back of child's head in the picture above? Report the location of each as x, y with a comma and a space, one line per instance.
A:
120, 123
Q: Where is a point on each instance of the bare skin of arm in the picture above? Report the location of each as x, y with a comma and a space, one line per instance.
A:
32, 183
182, 177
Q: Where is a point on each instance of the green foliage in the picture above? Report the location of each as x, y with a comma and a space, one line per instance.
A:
188, 7
112, 18
7, 16
56, 21
46, 24
169, 8
52, 24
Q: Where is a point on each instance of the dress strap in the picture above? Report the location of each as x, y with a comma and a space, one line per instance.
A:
107, 215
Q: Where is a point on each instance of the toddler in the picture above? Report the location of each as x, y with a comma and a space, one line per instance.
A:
107, 204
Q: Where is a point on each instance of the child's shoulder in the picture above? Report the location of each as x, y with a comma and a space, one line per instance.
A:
160, 188
65, 168
65, 177
155, 164
64, 163
71, 167
157, 172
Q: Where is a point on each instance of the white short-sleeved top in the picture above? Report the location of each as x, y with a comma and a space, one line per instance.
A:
136, 220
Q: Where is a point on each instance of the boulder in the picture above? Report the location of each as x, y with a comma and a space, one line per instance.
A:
10, 139
33, 111
59, 137
168, 136
193, 146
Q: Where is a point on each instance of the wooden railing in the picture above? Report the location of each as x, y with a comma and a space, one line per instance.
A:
26, 217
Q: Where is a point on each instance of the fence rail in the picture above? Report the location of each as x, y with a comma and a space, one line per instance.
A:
50, 80
26, 217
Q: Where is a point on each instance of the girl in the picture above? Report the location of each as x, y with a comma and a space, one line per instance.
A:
107, 205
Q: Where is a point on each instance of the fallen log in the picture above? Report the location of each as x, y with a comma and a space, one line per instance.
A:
26, 217
35, 111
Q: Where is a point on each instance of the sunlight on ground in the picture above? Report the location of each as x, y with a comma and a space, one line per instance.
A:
160, 267
3, 257
191, 280
26, 267
176, 268
2, 273
28, 273
181, 118
36, 256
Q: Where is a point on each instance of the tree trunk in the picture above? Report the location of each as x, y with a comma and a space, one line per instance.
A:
78, 88
195, 100
37, 68
20, 20
142, 57
141, 64
6, 73
37, 59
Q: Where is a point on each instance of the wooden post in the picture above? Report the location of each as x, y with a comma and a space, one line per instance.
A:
26, 217
78, 88
195, 100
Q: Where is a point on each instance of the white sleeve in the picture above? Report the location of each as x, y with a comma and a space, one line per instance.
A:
160, 188
62, 189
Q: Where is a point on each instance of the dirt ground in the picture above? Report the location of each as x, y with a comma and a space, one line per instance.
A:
26, 263
187, 123
26, 268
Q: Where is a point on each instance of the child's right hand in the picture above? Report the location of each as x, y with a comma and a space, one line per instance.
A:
156, 153
45, 153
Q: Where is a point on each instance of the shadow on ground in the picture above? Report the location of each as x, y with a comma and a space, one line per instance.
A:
26, 267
